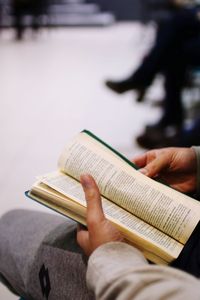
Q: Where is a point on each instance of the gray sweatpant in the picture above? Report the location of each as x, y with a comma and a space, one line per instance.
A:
39, 257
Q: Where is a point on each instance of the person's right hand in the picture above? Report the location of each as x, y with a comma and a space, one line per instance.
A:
99, 230
175, 166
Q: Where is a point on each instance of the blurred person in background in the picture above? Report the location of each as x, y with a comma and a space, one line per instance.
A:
34, 8
176, 50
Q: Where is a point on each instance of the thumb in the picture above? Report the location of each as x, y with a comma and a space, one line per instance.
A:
93, 198
155, 167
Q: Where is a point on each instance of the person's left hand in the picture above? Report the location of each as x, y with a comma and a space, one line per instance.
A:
99, 230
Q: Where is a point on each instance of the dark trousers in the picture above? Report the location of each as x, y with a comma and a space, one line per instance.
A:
189, 259
32, 7
176, 49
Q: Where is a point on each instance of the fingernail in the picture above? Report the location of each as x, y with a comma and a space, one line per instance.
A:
86, 180
143, 171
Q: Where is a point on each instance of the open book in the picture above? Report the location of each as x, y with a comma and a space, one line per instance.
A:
152, 216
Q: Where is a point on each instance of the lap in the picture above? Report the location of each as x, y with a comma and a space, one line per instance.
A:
39, 256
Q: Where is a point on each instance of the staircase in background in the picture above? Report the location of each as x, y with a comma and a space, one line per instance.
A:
65, 13
78, 13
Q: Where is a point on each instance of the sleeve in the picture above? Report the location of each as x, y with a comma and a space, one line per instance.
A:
197, 151
119, 271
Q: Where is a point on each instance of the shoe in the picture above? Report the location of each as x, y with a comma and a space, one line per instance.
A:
119, 87
147, 141
123, 86
158, 139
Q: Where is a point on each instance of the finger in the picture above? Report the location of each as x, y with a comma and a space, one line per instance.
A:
93, 198
143, 159
83, 239
140, 160
155, 167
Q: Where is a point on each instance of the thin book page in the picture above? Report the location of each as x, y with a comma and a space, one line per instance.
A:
44, 194
162, 207
133, 228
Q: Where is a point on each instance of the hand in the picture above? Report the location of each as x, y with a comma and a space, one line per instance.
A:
175, 166
100, 230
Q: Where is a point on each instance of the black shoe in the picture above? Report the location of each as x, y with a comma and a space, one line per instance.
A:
148, 141
119, 87
123, 86
160, 139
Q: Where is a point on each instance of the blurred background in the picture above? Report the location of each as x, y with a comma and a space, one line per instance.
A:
69, 65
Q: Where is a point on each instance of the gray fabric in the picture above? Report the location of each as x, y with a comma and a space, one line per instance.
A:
32, 243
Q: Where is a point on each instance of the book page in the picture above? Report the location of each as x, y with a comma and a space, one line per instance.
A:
162, 207
47, 196
132, 227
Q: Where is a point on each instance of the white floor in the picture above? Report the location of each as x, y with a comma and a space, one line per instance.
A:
51, 87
